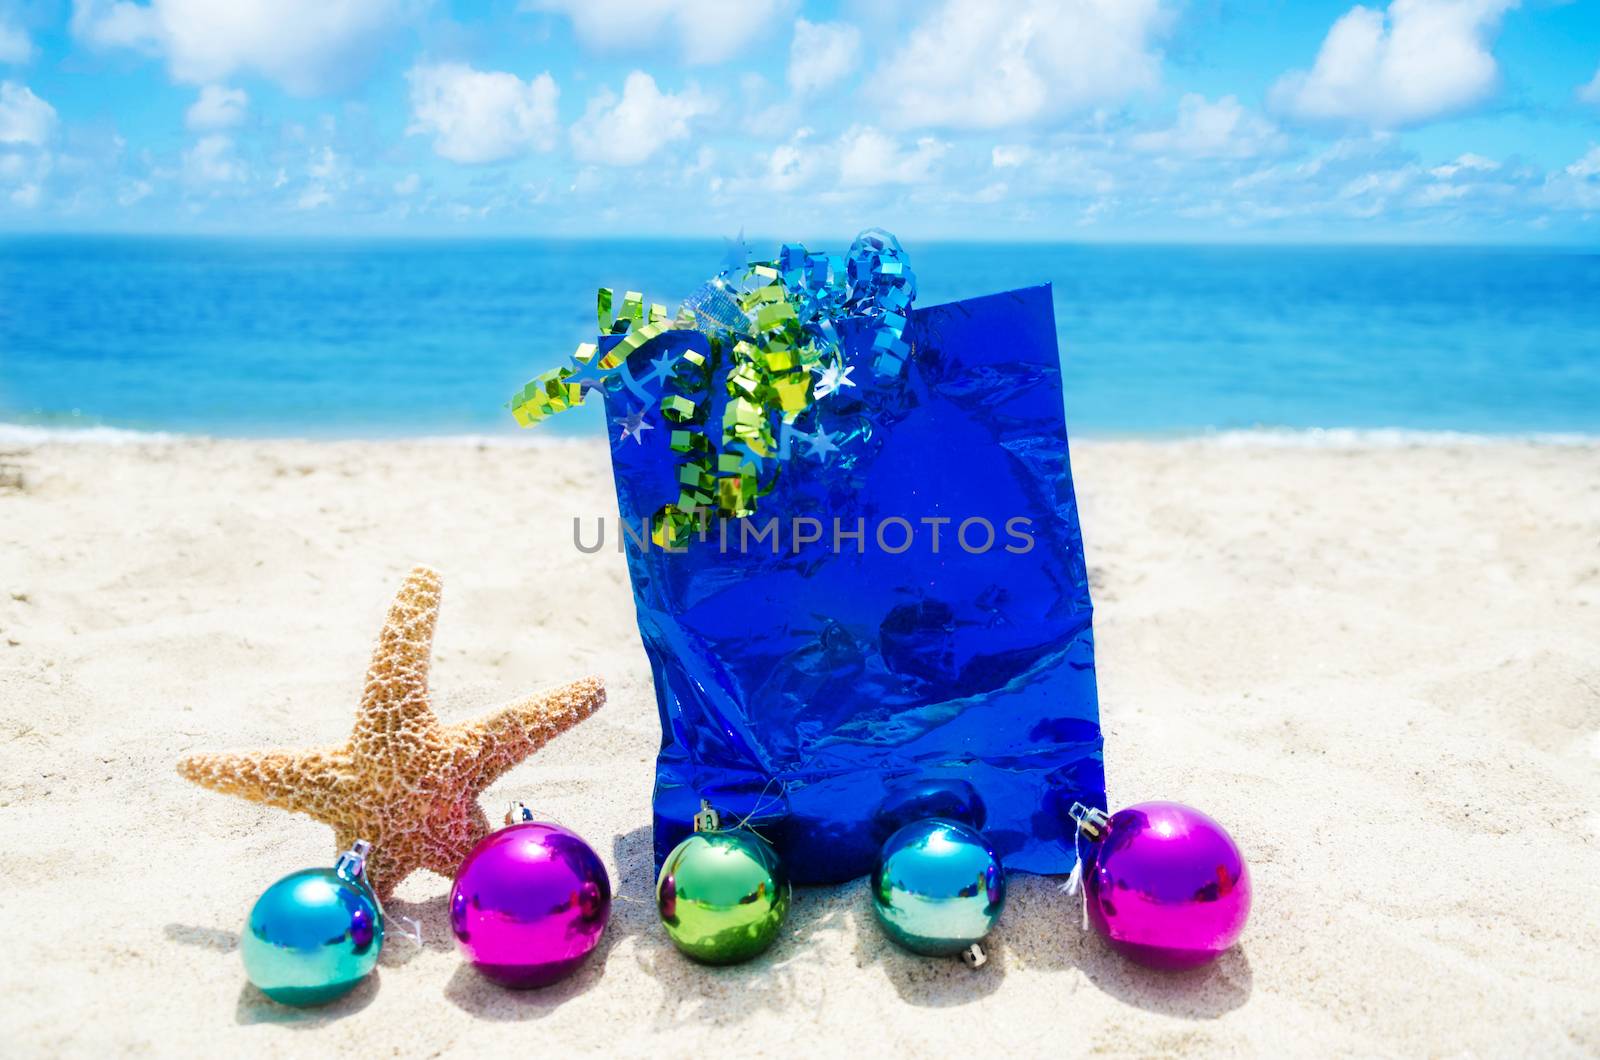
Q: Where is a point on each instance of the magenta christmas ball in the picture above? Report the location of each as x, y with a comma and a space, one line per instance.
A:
529, 904
1167, 886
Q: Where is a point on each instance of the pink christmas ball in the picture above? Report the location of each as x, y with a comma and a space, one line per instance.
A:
529, 904
1167, 886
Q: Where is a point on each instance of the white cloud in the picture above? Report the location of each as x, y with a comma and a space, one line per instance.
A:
765, 109
1073, 165
133, 192
23, 175
822, 54
1375, 178
218, 107
793, 165
1380, 184
703, 31
1590, 93
212, 161
1421, 59
1587, 166
1009, 156
1577, 186
325, 165
980, 64
25, 166
480, 116
1467, 163
15, 47
862, 157
407, 185
1223, 129
869, 157
626, 131
24, 117
307, 46
1442, 194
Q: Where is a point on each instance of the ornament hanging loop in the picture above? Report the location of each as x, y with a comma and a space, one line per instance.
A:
518, 813
410, 928
707, 820
352, 864
974, 957
1091, 821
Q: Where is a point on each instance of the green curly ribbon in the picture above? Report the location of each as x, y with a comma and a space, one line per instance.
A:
769, 331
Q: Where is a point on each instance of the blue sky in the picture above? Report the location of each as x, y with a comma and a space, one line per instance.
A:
1422, 120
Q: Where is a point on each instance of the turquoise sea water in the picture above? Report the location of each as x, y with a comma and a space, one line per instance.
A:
340, 339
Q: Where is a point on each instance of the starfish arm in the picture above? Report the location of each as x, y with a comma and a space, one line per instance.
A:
396, 695
491, 746
310, 782
447, 850
386, 867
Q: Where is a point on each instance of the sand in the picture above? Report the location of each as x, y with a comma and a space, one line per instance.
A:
1378, 665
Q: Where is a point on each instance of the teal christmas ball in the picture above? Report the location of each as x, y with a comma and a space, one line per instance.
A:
313, 935
937, 887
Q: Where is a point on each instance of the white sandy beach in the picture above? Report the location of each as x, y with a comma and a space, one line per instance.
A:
1379, 666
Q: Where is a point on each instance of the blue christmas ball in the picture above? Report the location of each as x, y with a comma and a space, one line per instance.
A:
313, 935
937, 887
917, 798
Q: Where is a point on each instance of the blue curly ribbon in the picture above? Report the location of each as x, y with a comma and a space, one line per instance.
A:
882, 288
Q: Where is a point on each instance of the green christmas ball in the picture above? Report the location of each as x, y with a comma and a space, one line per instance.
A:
938, 887
722, 896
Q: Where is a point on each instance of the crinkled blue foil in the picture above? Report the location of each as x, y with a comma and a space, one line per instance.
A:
822, 692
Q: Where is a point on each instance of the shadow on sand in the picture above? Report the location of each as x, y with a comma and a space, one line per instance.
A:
256, 1007
1199, 993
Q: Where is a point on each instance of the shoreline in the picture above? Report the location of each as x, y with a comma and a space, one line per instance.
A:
25, 434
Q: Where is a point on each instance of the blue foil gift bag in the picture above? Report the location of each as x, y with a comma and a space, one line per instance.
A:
894, 621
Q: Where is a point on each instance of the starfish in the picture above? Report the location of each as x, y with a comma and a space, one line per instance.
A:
404, 781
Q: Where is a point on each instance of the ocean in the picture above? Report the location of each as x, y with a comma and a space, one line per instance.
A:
336, 339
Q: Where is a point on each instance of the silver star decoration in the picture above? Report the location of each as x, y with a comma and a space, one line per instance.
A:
589, 373
820, 442
735, 254
834, 377
660, 368
634, 425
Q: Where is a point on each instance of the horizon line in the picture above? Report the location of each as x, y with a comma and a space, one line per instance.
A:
1287, 242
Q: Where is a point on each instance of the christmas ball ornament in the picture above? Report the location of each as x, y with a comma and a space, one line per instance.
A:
313, 935
938, 888
921, 797
530, 902
722, 896
1163, 883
